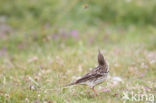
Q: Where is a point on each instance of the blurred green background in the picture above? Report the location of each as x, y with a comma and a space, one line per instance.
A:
64, 12
25, 23
39, 22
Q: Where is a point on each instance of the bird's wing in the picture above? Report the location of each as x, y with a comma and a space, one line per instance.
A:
90, 76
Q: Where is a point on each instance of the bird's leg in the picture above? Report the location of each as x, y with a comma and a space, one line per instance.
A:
94, 91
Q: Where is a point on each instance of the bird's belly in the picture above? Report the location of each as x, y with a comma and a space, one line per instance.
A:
100, 80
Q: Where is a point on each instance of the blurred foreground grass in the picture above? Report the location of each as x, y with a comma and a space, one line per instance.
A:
47, 44
53, 63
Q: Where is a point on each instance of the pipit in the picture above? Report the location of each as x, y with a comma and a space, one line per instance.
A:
96, 76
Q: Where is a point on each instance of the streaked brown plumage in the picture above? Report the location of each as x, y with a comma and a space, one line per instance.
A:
96, 76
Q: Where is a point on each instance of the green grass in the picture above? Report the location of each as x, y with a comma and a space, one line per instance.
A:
47, 44
130, 53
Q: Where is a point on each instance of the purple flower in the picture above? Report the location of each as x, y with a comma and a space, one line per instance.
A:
74, 34
106, 90
142, 75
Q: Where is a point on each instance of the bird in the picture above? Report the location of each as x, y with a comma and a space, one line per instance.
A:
94, 77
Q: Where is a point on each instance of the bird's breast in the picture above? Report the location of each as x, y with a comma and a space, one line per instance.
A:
101, 79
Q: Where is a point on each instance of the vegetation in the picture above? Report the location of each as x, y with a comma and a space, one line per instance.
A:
47, 44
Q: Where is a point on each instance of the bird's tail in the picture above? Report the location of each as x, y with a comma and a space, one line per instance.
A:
101, 59
69, 84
